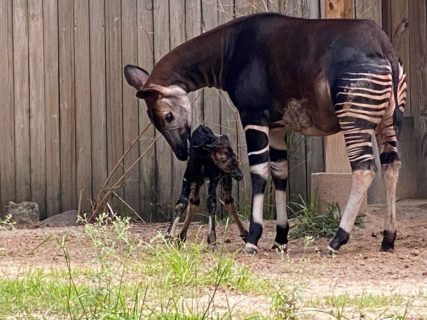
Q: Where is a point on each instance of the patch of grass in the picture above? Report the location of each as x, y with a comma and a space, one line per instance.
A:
129, 279
310, 222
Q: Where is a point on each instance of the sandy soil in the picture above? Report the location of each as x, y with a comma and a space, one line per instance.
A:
358, 268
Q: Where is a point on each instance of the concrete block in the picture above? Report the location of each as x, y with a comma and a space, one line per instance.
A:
332, 188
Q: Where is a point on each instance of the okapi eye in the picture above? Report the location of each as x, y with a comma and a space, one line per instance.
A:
169, 117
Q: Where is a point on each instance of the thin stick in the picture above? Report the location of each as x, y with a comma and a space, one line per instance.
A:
129, 206
120, 181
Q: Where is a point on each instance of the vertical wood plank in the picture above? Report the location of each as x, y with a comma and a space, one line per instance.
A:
193, 23
67, 104
335, 151
314, 145
51, 88
212, 111
114, 87
400, 38
130, 103
229, 115
82, 94
297, 157
37, 106
368, 9
7, 119
164, 151
177, 36
21, 97
417, 72
98, 94
148, 195
242, 8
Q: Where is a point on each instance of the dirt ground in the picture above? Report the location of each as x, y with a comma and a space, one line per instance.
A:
358, 268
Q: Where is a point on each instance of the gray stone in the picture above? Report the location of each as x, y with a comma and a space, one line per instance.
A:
64, 219
24, 213
332, 188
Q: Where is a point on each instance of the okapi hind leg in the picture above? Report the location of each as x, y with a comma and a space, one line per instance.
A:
230, 207
362, 94
211, 205
390, 165
279, 173
360, 154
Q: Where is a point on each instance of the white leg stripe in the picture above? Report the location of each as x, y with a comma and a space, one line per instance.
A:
260, 169
257, 209
279, 168
258, 128
282, 216
259, 151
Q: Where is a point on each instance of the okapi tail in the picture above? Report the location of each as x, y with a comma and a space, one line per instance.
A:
400, 91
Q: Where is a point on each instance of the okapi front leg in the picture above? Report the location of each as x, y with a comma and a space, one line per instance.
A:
180, 207
194, 204
211, 204
279, 172
258, 153
228, 200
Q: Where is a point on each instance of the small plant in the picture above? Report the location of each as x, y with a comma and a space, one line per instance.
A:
6, 223
309, 222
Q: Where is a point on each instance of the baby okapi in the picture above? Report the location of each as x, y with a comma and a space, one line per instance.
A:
211, 158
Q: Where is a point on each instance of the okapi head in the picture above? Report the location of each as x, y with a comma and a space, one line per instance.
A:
168, 109
218, 149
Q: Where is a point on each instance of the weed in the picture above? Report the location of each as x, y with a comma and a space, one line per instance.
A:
309, 222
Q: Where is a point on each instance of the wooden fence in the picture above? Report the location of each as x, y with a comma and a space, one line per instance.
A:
67, 115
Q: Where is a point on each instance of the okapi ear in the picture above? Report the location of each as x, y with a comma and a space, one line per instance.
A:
224, 138
146, 92
135, 76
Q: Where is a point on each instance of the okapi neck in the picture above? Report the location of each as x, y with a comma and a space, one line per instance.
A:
194, 64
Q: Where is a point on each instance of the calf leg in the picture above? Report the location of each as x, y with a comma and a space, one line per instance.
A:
211, 204
180, 207
258, 153
194, 204
279, 172
226, 187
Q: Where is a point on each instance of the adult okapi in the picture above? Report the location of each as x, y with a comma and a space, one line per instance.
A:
316, 77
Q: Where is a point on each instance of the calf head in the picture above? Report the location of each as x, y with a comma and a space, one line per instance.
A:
218, 148
168, 108
224, 157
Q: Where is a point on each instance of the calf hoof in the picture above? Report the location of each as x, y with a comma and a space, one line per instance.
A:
250, 249
280, 247
341, 237
388, 241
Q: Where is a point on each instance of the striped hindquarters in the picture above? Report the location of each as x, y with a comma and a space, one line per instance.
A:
363, 103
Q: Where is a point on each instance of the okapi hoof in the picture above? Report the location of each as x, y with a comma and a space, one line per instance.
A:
250, 249
283, 248
244, 236
211, 239
388, 241
341, 237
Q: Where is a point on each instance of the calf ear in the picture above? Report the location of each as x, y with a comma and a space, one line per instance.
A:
224, 138
136, 76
